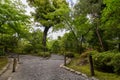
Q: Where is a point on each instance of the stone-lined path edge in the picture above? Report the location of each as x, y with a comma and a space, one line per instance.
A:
76, 72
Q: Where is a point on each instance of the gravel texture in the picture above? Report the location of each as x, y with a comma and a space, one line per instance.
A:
36, 68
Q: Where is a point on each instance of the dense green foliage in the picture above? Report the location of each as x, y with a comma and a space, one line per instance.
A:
35, 42
110, 24
102, 61
13, 24
107, 62
43, 54
16, 33
49, 13
55, 47
90, 26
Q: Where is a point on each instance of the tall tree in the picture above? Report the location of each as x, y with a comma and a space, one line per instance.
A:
91, 8
49, 13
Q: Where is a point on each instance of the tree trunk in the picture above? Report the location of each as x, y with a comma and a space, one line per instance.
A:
99, 37
45, 38
80, 47
119, 47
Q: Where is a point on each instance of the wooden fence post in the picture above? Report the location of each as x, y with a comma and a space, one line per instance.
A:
91, 66
18, 58
14, 64
65, 59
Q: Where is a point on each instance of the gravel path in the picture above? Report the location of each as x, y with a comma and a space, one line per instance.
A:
36, 68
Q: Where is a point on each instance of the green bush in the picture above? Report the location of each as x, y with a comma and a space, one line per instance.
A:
116, 63
88, 52
69, 54
28, 49
102, 61
93, 52
44, 54
107, 62
1, 53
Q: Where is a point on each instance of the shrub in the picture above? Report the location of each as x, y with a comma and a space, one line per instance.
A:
93, 52
43, 54
107, 61
89, 52
2, 53
116, 63
28, 49
102, 61
84, 55
69, 54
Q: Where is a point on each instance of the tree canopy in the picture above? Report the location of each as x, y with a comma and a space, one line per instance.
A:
49, 13
13, 22
90, 24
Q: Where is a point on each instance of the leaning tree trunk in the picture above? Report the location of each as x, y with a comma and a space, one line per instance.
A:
77, 40
80, 50
45, 38
100, 39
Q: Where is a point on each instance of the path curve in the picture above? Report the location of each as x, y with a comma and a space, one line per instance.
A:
36, 68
